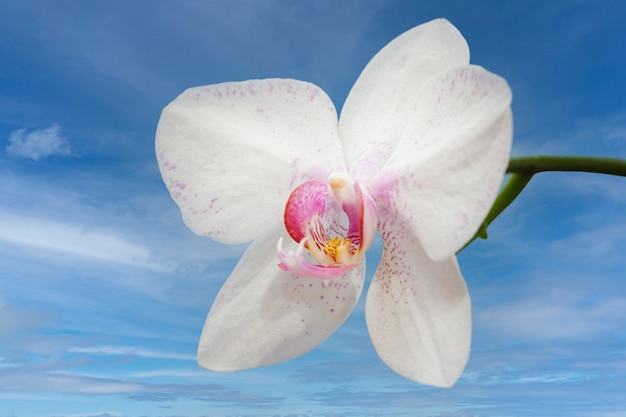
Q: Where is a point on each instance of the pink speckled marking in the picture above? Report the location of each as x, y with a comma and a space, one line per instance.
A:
167, 165
180, 185
313, 94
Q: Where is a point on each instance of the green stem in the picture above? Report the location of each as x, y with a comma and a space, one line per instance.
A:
522, 170
509, 192
530, 165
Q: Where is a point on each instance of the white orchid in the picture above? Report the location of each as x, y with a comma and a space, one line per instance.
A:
419, 152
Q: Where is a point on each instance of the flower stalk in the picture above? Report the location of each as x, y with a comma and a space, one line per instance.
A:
522, 170
530, 165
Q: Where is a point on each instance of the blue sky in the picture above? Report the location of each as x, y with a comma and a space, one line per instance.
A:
103, 290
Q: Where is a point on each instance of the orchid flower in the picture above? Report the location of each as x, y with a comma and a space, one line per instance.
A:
418, 154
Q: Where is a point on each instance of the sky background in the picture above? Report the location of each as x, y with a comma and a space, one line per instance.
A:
104, 291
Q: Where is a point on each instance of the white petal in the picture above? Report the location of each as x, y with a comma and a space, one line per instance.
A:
231, 153
418, 311
264, 315
378, 106
450, 162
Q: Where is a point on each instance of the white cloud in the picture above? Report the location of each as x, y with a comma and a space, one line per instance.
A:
596, 186
516, 377
38, 144
69, 383
603, 136
601, 246
196, 372
555, 314
74, 239
132, 351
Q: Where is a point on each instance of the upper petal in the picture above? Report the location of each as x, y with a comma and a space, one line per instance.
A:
379, 105
263, 315
450, 162
231, 153
417, 310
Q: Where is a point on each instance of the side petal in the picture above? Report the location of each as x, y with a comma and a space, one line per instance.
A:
418, 311
379, 105
264, 315
231, 153
450, 162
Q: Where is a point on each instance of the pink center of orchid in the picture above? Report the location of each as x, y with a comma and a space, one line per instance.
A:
334, 221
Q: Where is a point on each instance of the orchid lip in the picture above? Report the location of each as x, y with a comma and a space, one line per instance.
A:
295, 263
334, 221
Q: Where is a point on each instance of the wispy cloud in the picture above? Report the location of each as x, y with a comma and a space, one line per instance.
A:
553, 314
597, 186
602, 246
66, 383
70, 383
74, 240
38, 144
602, 136
130, 350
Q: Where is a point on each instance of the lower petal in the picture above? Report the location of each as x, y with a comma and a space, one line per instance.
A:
418, 311
264, 315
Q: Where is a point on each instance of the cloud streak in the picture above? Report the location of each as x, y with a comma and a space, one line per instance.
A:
557, 314
74, 240
132, 351
15, 380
